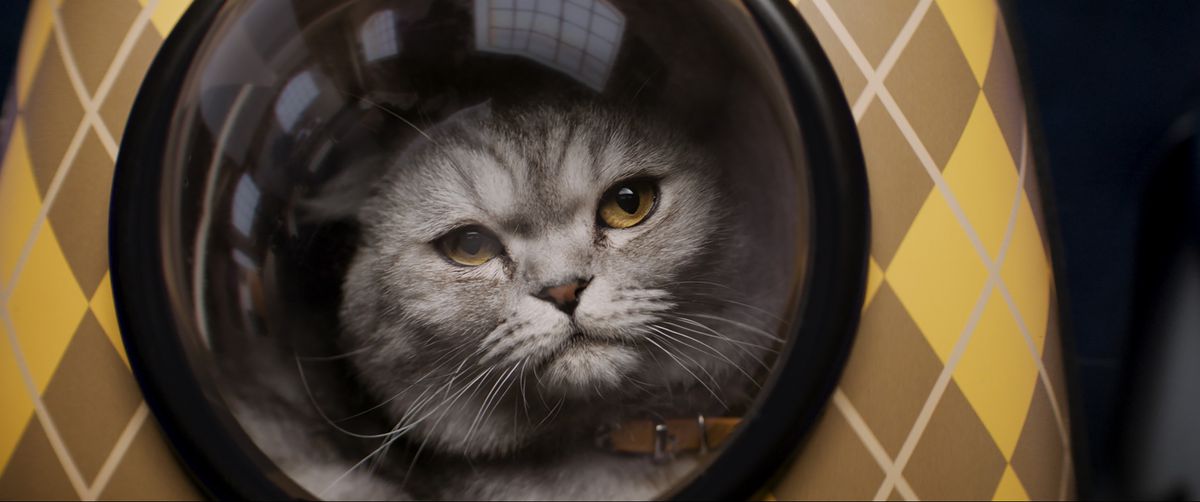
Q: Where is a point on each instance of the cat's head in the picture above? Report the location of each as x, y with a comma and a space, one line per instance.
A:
570, 252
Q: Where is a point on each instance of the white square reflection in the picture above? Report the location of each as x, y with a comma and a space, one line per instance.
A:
580, 38
245, 205
296, 97
378, 36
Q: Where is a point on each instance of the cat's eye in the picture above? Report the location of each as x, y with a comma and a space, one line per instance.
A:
627, 203
471, 246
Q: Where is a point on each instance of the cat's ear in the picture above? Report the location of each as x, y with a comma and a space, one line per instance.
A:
473, 114
341, 196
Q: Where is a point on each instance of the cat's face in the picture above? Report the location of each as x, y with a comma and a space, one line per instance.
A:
550, 246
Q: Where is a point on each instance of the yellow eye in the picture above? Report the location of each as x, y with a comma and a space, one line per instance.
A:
471, 246
627, 203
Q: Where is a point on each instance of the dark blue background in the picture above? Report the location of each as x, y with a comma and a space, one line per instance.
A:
12, 20
1108, 78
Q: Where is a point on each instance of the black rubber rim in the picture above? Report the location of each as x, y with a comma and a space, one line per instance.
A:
222, 469
773, 434
828, 317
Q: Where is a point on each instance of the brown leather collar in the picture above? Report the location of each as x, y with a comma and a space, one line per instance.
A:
663, 439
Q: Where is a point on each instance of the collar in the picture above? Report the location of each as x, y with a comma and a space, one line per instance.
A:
663, 439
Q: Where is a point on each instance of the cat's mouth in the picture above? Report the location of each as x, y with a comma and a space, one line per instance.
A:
584, 365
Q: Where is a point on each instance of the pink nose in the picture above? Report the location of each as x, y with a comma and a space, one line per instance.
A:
564, 296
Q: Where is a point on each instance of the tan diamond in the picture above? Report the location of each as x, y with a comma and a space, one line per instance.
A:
934, 87
94, 31
890, 371
853, 81
835, 464
956, 458
874, 25
91, 397
899, 184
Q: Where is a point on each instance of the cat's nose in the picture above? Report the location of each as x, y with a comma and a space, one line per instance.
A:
565, 296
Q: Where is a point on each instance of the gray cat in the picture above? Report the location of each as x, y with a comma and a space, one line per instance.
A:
528, 277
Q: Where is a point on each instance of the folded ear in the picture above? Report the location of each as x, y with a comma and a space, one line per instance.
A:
473, 114
340, 197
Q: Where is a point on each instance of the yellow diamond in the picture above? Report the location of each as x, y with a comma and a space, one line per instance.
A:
19, 203
1026, 274
973, 23
45, 306
104, 309
997, 373
937, 274
874, 280
166, 14
1010, 487
983, 177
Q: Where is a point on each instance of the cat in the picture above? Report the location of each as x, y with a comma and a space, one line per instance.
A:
527, 276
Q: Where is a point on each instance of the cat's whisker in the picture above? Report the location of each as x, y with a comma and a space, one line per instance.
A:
551, 414
753, 329
445, 409
738, 344
336, 357
392, 113
492, 394
711, 349
504, 392
398, 433
524, 399
727, 301
441, 362
685, 368
313, 400
712, 333
668, 338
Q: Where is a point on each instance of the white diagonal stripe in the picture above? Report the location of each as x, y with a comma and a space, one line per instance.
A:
91, 108
993, 266
875, 79
56, 182
123, 51
118, 452
43, 416
1043, 375
868, 439
896, 473
90, 120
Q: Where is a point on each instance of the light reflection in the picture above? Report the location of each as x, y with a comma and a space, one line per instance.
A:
297, 96
244, 260
578, 37
245, 205
378, 36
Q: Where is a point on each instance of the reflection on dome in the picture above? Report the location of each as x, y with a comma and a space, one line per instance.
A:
245, 205
378, 36
577, 37
297, 95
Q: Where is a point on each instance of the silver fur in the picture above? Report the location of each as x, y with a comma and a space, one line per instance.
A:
494, 393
